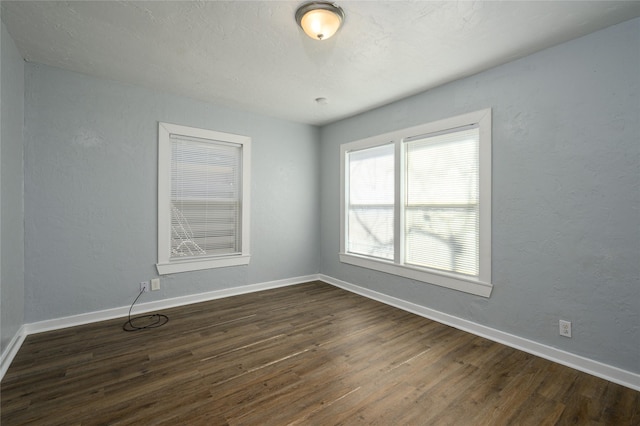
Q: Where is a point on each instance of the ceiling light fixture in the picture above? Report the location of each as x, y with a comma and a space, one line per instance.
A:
319, 19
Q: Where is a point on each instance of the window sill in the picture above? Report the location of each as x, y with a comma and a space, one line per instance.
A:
200, 264
442, 279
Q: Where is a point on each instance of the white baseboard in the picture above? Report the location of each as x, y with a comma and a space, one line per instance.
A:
11, 350
107, 314
595, 368
90, 317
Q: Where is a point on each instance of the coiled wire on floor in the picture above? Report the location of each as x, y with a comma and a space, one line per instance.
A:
144, 322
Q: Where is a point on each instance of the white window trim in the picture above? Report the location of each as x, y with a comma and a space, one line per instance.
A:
481, 285
165, 265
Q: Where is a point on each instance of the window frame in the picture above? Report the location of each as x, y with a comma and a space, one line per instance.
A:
165, 264
478, 285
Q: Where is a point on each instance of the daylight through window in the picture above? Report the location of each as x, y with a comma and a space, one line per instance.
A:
417, 203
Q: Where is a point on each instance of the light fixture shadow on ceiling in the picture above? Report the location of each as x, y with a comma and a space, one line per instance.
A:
318, 53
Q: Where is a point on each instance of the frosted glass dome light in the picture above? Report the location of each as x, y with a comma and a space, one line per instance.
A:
319, 20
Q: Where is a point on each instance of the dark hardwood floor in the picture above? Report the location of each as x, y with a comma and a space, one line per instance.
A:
309, 354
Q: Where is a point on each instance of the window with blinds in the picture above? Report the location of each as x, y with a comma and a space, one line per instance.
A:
417, 203
203, 199
441, 202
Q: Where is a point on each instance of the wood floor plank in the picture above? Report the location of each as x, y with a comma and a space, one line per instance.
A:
309, 354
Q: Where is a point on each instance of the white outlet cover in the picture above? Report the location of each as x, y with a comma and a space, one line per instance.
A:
564, 328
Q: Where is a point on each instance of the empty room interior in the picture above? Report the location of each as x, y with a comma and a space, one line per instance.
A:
289, 212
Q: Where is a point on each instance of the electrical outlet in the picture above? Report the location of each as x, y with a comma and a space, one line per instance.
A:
155, 284
565, 328
144, 286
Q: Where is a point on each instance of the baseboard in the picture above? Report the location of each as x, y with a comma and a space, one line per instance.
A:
11, 350
595, 368
107, 314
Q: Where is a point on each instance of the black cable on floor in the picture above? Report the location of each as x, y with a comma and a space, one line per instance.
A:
152, 321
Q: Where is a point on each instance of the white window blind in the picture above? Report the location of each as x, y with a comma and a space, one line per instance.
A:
441, 203
371, 202
205, 197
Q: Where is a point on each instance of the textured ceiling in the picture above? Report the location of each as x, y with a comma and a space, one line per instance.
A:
252, 56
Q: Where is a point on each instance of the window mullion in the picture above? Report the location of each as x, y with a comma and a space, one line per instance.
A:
399, 196
344, 202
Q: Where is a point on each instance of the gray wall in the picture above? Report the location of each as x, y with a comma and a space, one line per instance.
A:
11, 181
566, 172
91, 194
